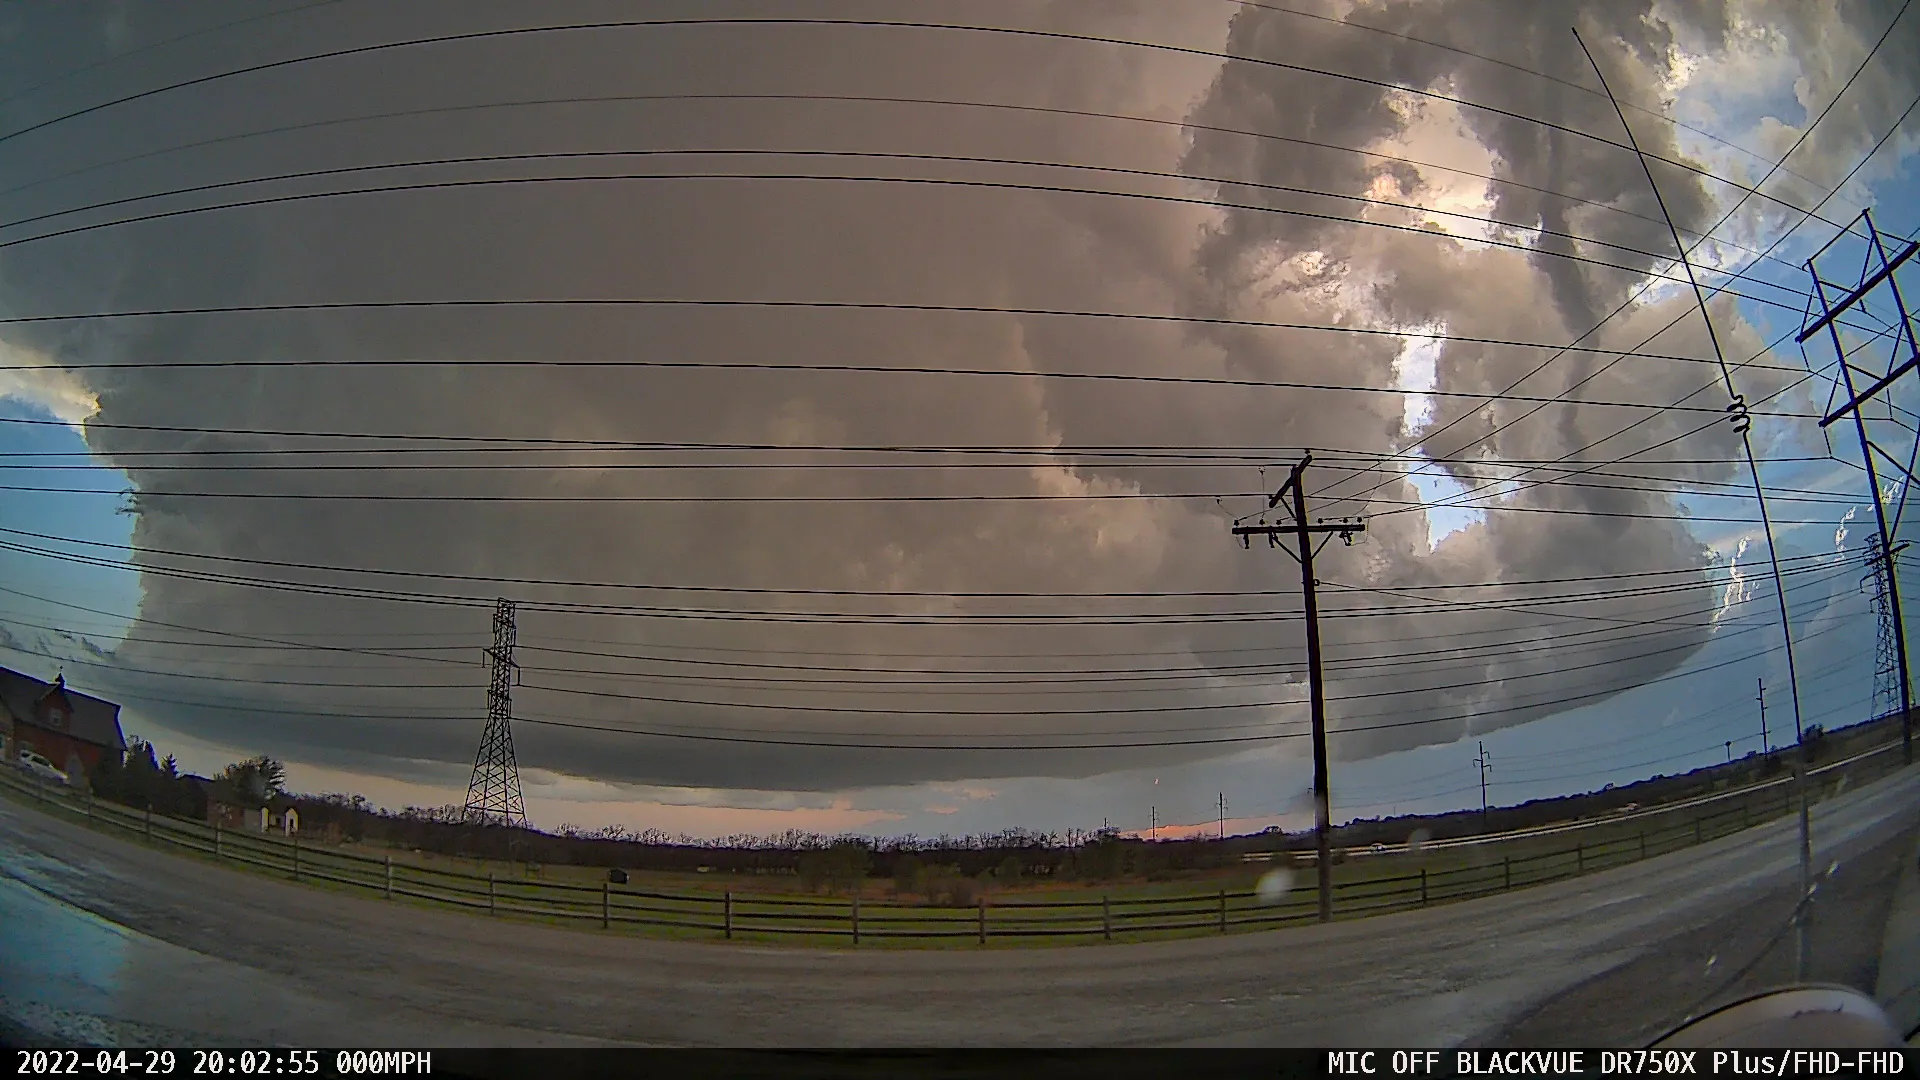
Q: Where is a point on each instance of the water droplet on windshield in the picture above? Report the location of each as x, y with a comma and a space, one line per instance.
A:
1274, 886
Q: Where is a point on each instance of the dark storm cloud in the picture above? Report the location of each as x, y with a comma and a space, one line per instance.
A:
838, 241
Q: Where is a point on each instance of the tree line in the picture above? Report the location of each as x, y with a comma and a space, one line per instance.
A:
143, 781
943, 868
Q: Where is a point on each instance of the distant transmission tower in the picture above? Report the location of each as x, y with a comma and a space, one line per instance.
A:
1886, 646
494, 795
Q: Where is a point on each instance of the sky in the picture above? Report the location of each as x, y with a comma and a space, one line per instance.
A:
857, 404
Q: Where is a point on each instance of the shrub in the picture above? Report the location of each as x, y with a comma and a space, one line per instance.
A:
946, 886
840, 866
813, 869
906, 874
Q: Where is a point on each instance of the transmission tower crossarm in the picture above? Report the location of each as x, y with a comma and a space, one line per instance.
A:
1854, 296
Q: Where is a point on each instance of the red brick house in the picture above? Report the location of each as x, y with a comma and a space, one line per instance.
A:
72, 730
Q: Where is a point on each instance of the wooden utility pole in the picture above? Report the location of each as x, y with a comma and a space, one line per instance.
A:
1223, 815
1483, 762
1303, 531
1766, 743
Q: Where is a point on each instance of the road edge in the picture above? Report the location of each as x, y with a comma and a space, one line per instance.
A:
1897, 986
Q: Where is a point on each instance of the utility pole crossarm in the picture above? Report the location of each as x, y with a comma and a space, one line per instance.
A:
1338, 527
1346, 531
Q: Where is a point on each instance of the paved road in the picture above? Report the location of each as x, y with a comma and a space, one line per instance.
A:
103, 939
1747, 946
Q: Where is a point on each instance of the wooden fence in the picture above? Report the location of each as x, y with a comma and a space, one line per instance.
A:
1496, 866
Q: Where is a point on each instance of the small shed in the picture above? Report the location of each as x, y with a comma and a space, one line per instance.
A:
228, 808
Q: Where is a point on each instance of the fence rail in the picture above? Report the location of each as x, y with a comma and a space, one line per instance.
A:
1495, 865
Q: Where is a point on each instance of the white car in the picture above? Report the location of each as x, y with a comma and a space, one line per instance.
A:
41, 768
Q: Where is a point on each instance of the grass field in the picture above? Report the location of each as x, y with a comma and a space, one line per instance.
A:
776, 908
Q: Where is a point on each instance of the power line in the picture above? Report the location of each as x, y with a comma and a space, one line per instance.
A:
485, 182
1183, 125
1651, 486
1012, 32
1603, 692
1779, 240
812, 305
122, 57
1346, 22
1197, 455
1504, 631
500, 580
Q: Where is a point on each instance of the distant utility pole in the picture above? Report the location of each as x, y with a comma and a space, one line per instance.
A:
1484, 763
1904, 341
1303, 533
1153, 823
1223, 815
494, 794
1766, 742
1729, 751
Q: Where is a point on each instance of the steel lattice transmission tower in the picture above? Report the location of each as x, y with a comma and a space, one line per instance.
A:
1836, 300
494, 795
1886, 646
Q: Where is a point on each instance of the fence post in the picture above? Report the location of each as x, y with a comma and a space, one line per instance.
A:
216, 839
1643, 844
856, 919
490, 905
729, 915
1579, 857
606, 905
296, 856
149, 822
89, 808
1106, 916
1696, 830
389, 877
1506, 873
1223, 911
1423, 886
983, 920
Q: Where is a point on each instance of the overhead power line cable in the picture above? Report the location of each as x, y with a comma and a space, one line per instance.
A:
871, 24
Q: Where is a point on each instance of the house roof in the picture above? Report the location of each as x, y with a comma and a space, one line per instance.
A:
91, 719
